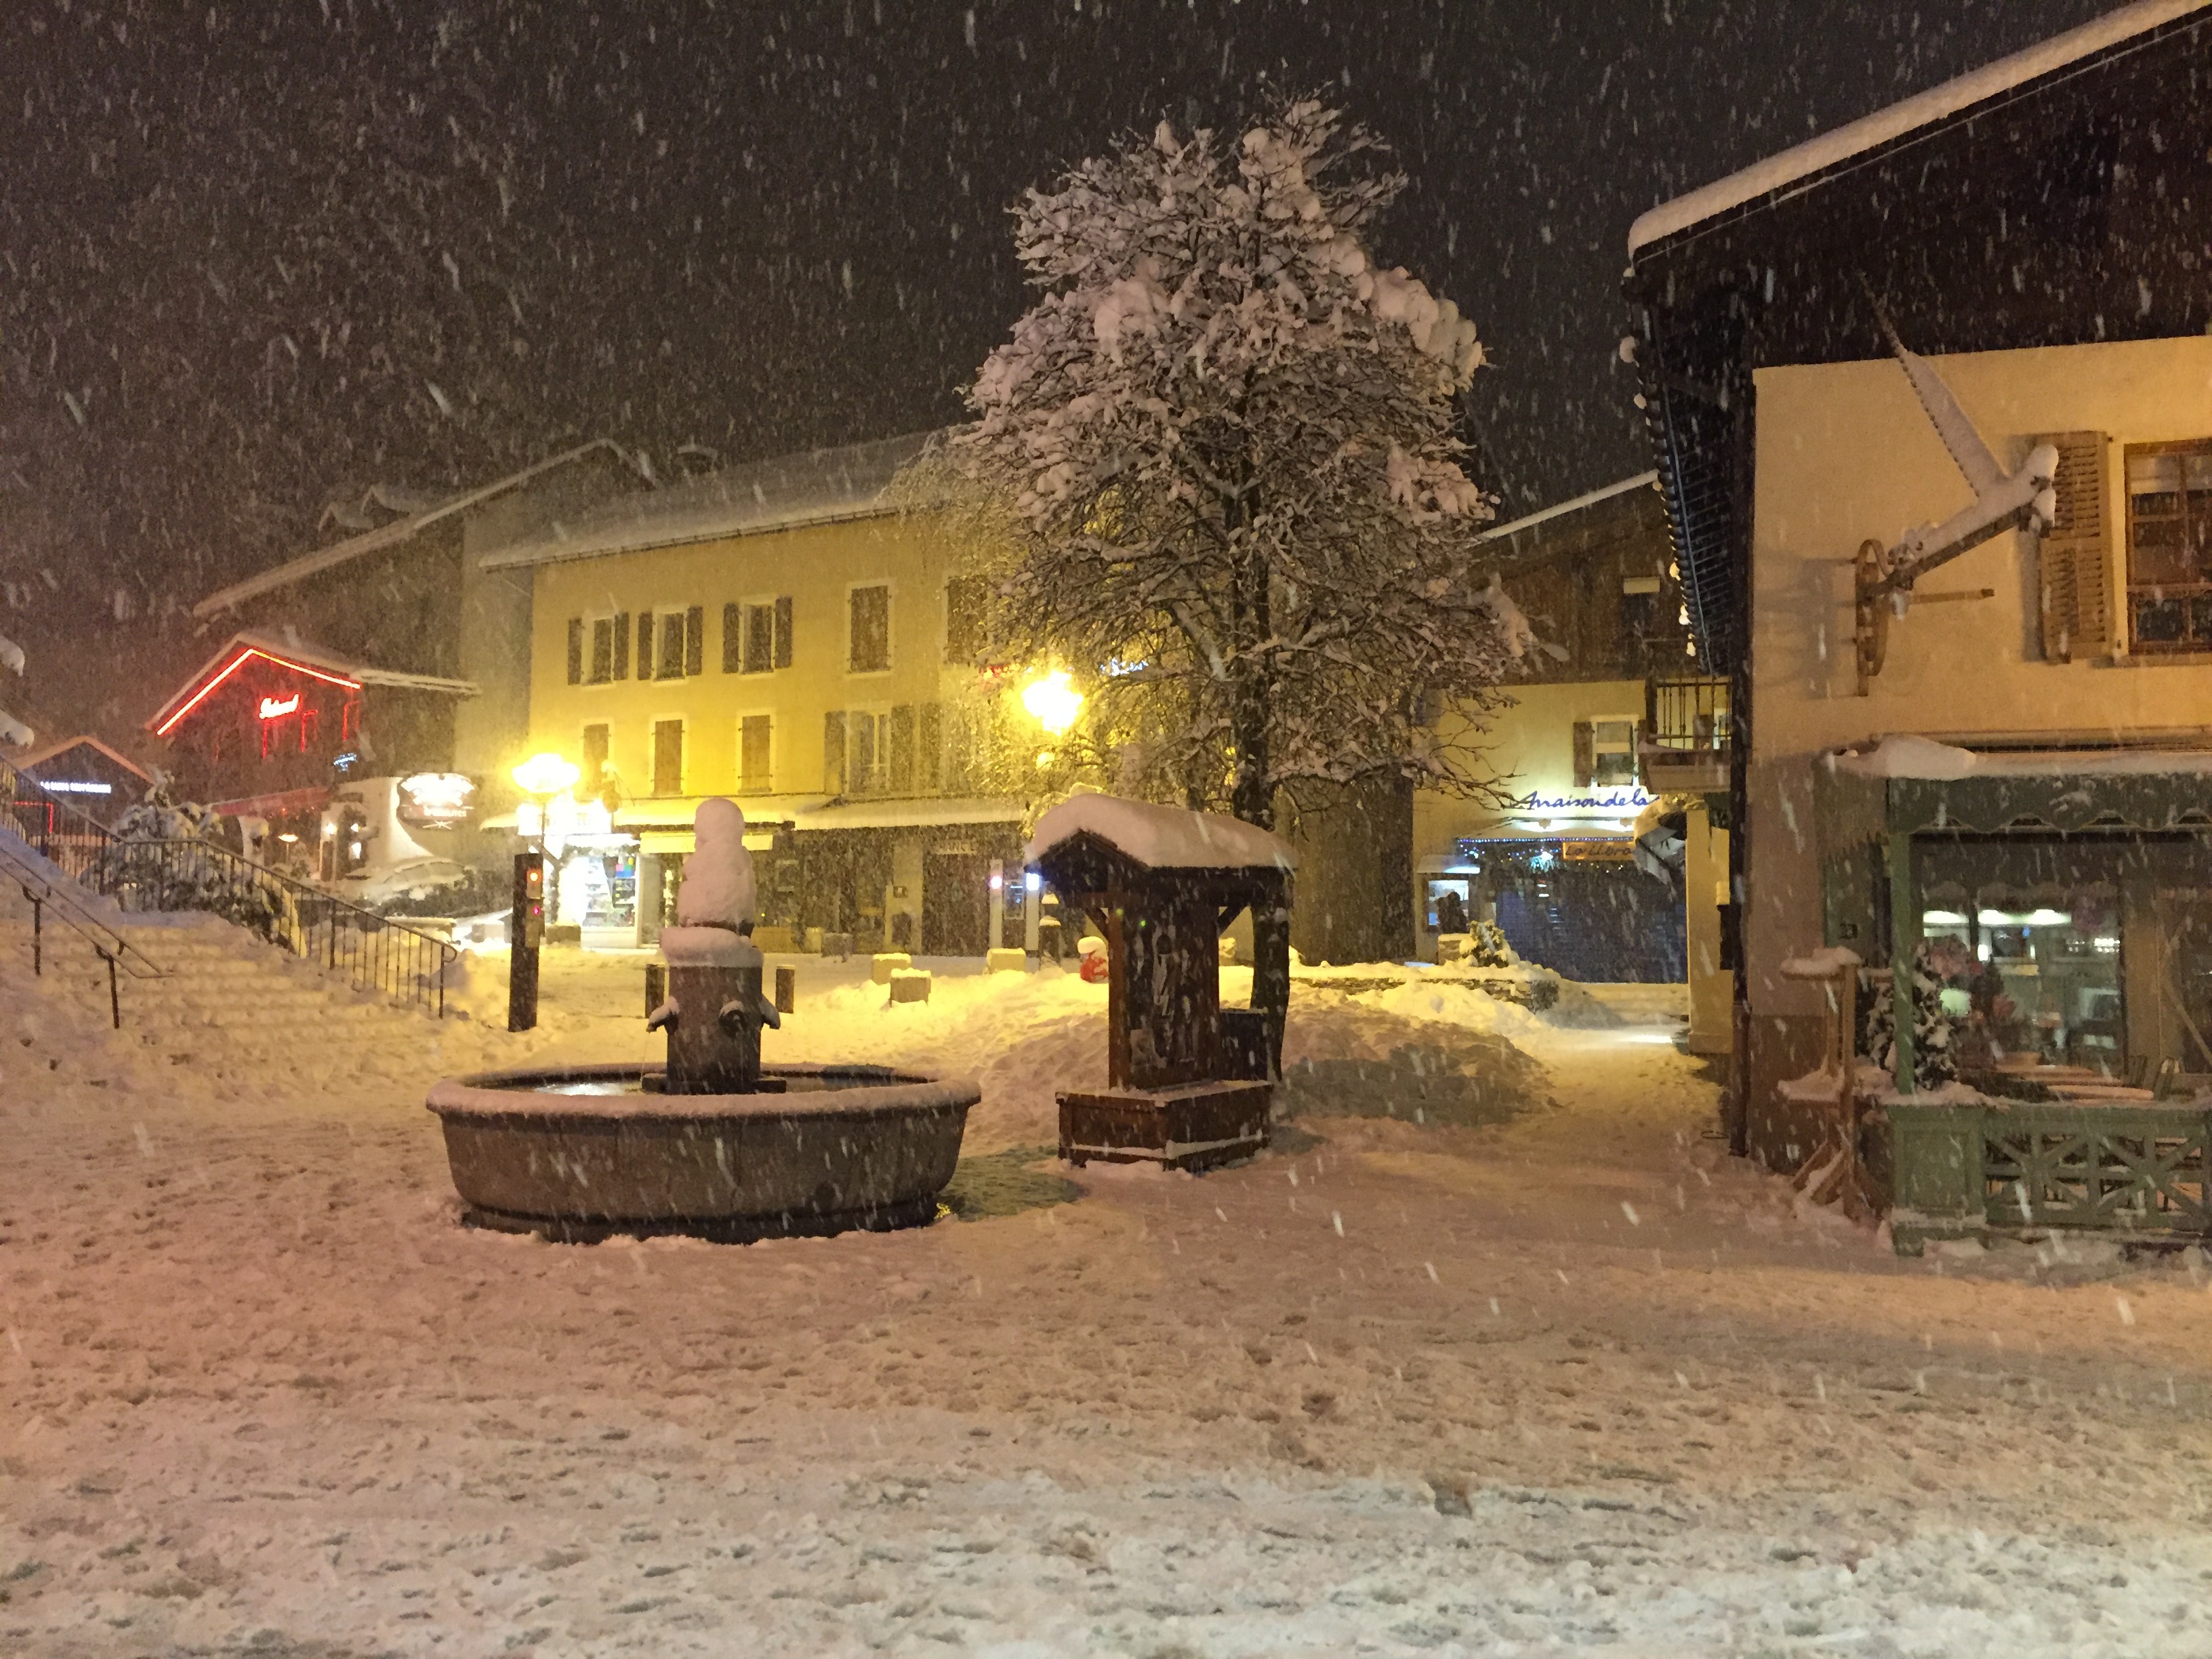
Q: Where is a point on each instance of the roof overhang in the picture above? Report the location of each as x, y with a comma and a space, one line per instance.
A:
390, 535
311, 662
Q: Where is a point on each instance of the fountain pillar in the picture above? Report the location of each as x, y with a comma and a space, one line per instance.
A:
715, 1009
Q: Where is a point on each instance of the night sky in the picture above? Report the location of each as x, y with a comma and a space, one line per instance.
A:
258, 257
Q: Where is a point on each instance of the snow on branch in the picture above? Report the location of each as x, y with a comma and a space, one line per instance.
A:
1223, 435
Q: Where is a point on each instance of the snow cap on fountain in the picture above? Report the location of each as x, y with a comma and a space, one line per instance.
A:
718, 877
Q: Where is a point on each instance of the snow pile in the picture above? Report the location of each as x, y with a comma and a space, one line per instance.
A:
1162, 837
718, 877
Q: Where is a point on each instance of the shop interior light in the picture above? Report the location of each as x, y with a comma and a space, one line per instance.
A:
1942, 919
286, 837
1053, 702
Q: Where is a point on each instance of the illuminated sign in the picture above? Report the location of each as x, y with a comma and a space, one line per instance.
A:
69, 786
1622, 799
274, 709
436, 798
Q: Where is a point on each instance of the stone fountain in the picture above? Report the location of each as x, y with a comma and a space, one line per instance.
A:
712, 1143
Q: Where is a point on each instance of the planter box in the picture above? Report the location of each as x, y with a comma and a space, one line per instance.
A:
1196, 1126
2019, 1167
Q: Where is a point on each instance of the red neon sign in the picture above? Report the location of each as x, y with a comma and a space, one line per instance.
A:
274, 709
239, 662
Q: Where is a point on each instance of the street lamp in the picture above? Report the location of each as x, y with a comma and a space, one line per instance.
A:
1053, 701
541, 777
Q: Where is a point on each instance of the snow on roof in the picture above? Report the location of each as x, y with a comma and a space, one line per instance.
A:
819, 486
1162, 837
390, 535
1591, 498
85, 740
1815, 156
1927, 759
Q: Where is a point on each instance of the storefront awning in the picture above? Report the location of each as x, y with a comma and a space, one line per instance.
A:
923, 814
1914, 786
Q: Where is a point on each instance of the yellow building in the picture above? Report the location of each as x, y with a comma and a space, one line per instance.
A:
781, 634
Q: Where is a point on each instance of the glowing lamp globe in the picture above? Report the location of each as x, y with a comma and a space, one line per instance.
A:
1052, 701
546, 774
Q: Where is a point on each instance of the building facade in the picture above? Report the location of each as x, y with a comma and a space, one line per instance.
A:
1992, 765
1614, 738
782, 635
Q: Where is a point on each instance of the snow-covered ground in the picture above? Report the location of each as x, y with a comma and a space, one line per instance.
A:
1494, 1354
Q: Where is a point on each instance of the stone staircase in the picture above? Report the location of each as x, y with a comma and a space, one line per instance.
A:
224, 998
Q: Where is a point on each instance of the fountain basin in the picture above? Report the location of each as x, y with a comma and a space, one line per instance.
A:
582, 1153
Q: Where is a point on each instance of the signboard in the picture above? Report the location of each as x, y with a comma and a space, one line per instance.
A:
274, 709
436, 801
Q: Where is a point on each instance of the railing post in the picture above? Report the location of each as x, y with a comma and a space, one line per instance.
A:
114, 997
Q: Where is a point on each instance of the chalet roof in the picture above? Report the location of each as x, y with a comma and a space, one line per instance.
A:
311, 659
1805, 165
390, 535
2056, 198
82, 740
815, 487
1161, 837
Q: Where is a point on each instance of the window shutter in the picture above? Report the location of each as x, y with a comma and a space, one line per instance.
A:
645, 645
2073, 562
734, 638
833, 752
622, 646
928, 757
695, 639
669, 665
783, 632
575, 650
1585, 753
902, 750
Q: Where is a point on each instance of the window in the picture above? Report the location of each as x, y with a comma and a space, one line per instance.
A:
603, 651
756, 637
870, 640
595, 759
754, 754
683, 644
668, 757
862, 758
622, 646
2170, 546
967, 619
695, 639
1604, 754
645, 645
575, 650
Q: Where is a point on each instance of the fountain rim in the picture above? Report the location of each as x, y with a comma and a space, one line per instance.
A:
506, 1094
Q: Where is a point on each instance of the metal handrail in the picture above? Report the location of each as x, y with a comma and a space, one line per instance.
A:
109, 946
375, 952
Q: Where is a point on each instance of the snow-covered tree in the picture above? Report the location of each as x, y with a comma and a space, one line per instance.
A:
12, 731
1226, 434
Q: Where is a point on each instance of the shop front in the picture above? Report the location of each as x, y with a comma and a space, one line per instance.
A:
2060, 902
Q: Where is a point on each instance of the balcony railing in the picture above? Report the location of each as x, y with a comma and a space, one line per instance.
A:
1687, 734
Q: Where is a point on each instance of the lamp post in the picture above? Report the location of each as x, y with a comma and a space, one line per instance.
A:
1054, 703
541, 777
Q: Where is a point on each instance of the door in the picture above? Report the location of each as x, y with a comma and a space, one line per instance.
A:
668, 757
956, 904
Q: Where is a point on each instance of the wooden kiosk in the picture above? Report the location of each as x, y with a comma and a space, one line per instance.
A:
1189, 1083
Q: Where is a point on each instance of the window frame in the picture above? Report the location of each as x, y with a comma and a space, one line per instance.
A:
767, 785
2194, 599
853, 590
